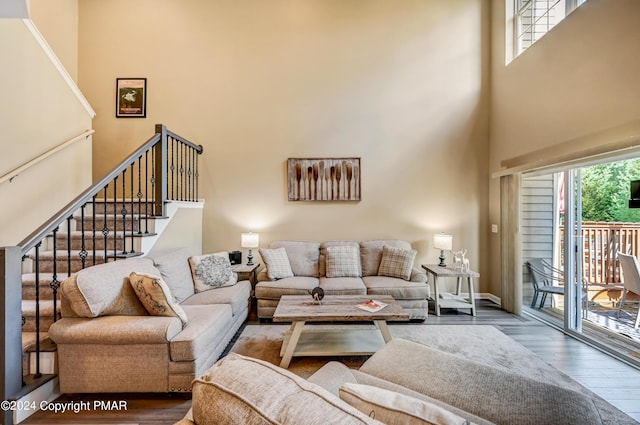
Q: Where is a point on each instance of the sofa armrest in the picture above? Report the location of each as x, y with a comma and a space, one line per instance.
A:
418, 275
119, 330
331, 376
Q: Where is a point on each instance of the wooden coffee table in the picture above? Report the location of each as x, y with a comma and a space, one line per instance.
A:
299, 309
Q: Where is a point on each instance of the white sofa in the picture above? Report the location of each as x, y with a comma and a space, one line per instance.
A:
107, 340
308, 261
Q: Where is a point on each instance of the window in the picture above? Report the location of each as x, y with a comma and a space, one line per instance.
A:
534, 18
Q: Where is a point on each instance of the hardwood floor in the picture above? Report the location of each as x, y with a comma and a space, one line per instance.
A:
611, 379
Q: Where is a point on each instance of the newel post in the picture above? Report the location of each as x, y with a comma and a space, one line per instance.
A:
11, 325
161, 156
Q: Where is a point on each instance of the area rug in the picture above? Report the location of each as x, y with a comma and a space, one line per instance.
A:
480, 343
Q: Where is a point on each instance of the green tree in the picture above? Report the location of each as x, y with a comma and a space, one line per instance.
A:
605, 191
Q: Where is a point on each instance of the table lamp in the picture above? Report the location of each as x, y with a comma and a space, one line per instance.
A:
442, 242
250, 240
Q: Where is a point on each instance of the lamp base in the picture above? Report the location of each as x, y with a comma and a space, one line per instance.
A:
249, 258
442, 257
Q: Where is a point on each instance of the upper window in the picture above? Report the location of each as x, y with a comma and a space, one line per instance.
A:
534, 18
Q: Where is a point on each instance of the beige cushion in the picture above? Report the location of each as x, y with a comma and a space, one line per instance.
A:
371, 253
304, 256
212, 271
243, 390
208, 325
396, 262
343, 286
155, 296
273, 290
399, 289
343, 261
104, 289
396, 409
237, 296
277, 262
176, 271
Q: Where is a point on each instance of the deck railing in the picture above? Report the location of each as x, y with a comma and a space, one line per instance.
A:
601, 242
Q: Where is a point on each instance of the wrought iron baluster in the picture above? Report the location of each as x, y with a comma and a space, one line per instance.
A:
69, 245
115, 216
105, 227
132, 250
123, 211
189, 158
182, 175
55, 283
197, 177
139, 194
146, 192
173, 169
37, 289
93, 228
83, 251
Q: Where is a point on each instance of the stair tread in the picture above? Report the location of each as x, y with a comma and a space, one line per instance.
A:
29, 342
46, 308
30, 278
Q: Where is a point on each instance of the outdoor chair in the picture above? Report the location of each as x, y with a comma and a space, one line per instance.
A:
543, 275
631, 272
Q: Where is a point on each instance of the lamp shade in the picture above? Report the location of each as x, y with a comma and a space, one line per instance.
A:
443, 241
250, 240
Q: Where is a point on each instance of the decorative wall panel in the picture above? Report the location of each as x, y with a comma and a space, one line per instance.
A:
323, 179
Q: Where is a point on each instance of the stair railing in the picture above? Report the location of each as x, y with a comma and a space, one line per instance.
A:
117, 210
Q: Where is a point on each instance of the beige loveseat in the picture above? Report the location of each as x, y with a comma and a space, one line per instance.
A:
403, 383
109, 341
373, 267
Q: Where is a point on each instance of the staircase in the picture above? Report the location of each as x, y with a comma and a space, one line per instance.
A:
121, 216
82, 241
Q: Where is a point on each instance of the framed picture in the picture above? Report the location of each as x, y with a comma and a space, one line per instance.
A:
323, 179
131, 97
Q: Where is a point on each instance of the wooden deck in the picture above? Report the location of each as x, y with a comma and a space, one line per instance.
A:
611, 379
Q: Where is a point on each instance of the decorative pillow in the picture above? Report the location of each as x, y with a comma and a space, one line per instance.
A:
155, 296
212, 271
396, 262
391, 407
240, 390
277, 261
343, 261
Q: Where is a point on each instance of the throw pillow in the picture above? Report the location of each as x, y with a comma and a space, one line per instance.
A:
155, 296
343, 261
396, 262
277, 262
391, 407
212, 271
244, 390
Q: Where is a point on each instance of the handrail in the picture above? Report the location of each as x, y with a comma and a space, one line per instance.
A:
50, 225
59, 66
33, 239
15, 172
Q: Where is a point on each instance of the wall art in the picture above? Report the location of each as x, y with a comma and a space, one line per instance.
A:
323, 179
131, 97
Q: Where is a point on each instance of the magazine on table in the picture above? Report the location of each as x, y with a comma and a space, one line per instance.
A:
372, 306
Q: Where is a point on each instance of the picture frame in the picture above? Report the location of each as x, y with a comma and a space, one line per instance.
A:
131, 97
323, 179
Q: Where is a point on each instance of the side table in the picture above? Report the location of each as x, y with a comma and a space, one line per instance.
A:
247, 273
446, 300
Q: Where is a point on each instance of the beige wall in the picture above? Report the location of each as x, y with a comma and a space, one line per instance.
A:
578, 81
37, 113
401, 84
57, 20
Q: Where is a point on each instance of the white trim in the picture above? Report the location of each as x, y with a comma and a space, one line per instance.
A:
58, 65
16, 171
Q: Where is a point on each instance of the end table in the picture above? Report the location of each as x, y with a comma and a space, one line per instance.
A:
447, 300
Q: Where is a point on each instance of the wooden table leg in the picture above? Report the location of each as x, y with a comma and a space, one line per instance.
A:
436, 295
384, 329
296, 330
